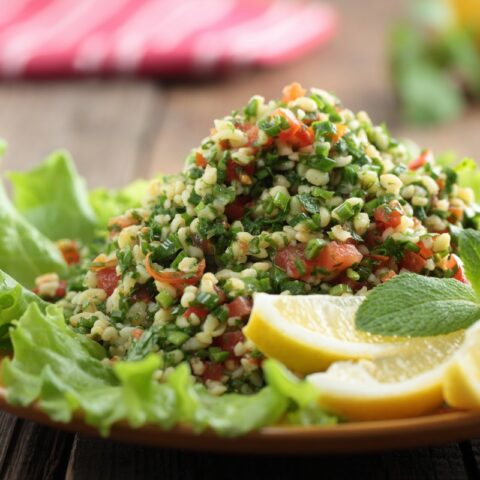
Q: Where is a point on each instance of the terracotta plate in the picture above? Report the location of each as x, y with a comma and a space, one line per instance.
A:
349, 437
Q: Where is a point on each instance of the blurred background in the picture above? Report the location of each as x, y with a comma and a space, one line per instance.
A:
130, 86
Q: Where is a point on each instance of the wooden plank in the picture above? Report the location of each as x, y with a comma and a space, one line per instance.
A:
37, 452
8, 425
104, 125
103, 459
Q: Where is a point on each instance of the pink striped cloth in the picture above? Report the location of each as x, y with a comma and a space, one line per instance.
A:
160, 37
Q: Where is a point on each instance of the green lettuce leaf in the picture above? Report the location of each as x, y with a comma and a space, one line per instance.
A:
24, 252
54, 199
64, 372
111, 203
229, 415
304, 396
15, 299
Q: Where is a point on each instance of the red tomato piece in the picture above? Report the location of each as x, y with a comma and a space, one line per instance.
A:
142, 295
213, 371
240, 307
234, 170
200, 160
387, 218
69, 250
200, 312
229, 340
137, 333
413, 262
333, 259
298, 134
424, 251
454, 263
107, 279
236, 209
425, 157
176, 279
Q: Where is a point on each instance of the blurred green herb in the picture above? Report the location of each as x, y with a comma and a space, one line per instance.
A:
435, 63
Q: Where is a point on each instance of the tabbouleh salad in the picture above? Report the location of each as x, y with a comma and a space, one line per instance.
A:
292, 196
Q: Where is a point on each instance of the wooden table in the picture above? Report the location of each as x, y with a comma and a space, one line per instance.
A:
118, 130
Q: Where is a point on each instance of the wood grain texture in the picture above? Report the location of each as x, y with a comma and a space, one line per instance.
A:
36, 452
125, 462
105, 125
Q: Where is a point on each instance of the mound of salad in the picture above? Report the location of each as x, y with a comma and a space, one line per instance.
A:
133, 302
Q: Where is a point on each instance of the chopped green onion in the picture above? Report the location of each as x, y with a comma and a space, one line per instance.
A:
324, 164
353, 275
217, 355
313, 248
340, 289
322, 149
343, 212
164, 299
300, 266
324, 128
177, 338
222, 313
281, 200
322, 193
251, 109
207, 300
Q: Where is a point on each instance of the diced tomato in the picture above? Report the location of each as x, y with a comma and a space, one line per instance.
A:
229, 340
236, 209
424, 251
387, 218
142, 295
454, 263
221, 295
456, 213
413, 262
298, 134
292, 92
61, 290
373, 238
234, 171
380, 260
176, 279
387, 276
200, 312
137, 333
425, 157
107, 279
341, 131
213, 371
240, 307
333, 258
200, 160
69, 250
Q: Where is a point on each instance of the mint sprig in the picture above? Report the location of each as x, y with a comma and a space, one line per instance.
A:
418, 306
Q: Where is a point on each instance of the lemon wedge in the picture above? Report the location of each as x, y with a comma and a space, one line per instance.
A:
461, 385
406, 384
307, 333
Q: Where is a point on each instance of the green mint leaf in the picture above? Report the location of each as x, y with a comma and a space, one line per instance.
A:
469, 249
418, 306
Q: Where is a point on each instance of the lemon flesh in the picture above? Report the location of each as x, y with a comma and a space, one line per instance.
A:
461, 384
404, 385
308, 333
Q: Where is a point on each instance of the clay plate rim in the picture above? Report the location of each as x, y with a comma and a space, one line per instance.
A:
355, 437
